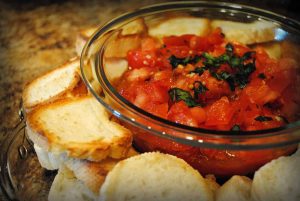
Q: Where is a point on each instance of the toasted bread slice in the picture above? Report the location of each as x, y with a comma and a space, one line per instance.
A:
246, 33
82, 38
278, 180
93, 174
273, 49
212, 183
66, 187
178, 26
237, 188
154, 176
48, 160
136, 27
297, 153
115, 67
52, 85
79, 127
120, 45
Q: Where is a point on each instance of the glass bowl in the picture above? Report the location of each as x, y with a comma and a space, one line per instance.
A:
222, 153
21, 175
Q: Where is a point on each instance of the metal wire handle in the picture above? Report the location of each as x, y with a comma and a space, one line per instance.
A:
23, 148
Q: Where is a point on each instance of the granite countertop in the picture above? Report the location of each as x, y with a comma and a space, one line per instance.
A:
37, 35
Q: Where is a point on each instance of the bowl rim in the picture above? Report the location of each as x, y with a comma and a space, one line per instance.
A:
236, 136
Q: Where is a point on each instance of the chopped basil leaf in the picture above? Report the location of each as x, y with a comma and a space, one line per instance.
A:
175, 61
263, 118
229, 49
199, 88
214, 62
262, 76
227, 77
235, 62
177, 95
199, 70
210, 61
235, 128
248, 55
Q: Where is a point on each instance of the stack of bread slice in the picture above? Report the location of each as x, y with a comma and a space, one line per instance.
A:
74, 134
72, 131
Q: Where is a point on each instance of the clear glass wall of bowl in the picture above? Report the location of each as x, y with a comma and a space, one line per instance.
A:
222, 153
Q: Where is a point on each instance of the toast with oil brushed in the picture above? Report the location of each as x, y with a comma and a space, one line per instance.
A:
154, 176
61, 82
78, 127
246, 33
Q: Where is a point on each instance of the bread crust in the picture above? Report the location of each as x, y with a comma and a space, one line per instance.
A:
96, 149
72, 65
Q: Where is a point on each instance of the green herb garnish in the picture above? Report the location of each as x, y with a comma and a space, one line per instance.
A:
261, 76
235, 128
263, 118
175, 61
177, 94
199, 88
199, 70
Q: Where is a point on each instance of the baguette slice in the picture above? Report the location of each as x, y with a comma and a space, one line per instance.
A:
178, 26
82, 38
237, 188
52, 85
212, 183
154, 176
278, 180
66, 187
134, 28
78, 127
48, 160
93, 174
246, 33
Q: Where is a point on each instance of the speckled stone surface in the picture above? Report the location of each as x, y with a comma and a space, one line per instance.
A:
37, 35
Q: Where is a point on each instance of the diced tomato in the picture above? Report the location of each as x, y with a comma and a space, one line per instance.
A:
178, 51
219, 113
206, 43
216, 88
150, 44
198, 114
160, 110
262, 99
260, 93
139, 74
183, 40
240, 49
140, 59
180, 113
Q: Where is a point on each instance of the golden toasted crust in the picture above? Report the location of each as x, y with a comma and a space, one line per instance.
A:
53, 128
30, 90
